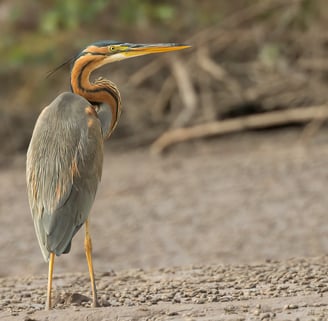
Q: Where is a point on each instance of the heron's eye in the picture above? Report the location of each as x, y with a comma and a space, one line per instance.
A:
111, 48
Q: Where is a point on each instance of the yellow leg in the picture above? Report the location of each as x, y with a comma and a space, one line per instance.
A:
51, 269
88, 253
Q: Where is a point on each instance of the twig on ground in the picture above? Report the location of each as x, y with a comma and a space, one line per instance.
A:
274, 118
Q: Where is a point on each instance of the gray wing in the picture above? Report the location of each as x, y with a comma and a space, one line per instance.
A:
63, 169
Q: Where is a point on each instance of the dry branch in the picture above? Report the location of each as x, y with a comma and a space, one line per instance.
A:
187, 92
241, 123
240, 18
238, 67
215, 70
147, 71
316, 64
163, 97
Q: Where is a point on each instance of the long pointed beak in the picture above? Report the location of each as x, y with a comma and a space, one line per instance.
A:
156, 47
133, 50
130, 50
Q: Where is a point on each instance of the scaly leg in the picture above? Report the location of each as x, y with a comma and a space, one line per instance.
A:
88, 253
51, 269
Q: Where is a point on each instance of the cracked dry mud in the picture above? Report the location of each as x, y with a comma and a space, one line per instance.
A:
207, 232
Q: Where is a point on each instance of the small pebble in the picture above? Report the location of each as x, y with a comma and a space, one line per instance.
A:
172, 313
290, 306
257, 312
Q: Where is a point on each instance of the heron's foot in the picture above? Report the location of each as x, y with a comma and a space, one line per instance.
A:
95, 303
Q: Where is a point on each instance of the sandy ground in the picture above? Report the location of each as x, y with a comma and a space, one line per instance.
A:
194, 235
270, 291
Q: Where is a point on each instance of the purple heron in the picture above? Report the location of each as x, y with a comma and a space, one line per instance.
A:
65, 155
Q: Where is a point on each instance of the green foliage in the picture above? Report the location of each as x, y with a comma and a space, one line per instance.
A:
25, 33
270, 54
142, 12
301, 17
70, 14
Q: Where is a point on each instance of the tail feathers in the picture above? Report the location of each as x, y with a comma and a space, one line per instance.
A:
53, 236
42, 240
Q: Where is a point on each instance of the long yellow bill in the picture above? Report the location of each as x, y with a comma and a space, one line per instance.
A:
154, 48
129, 50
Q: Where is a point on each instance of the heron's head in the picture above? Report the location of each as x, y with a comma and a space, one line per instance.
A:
105, 52
102, 92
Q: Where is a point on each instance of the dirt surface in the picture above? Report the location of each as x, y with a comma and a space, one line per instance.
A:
279, 291
194, 235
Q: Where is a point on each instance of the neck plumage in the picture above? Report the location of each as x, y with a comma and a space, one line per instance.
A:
102, 92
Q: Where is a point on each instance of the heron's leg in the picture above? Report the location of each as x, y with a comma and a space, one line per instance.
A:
51, 269
88, 253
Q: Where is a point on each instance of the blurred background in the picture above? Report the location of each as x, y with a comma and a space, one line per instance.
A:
252, 90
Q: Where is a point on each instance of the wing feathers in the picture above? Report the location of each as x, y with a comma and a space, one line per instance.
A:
64, 162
